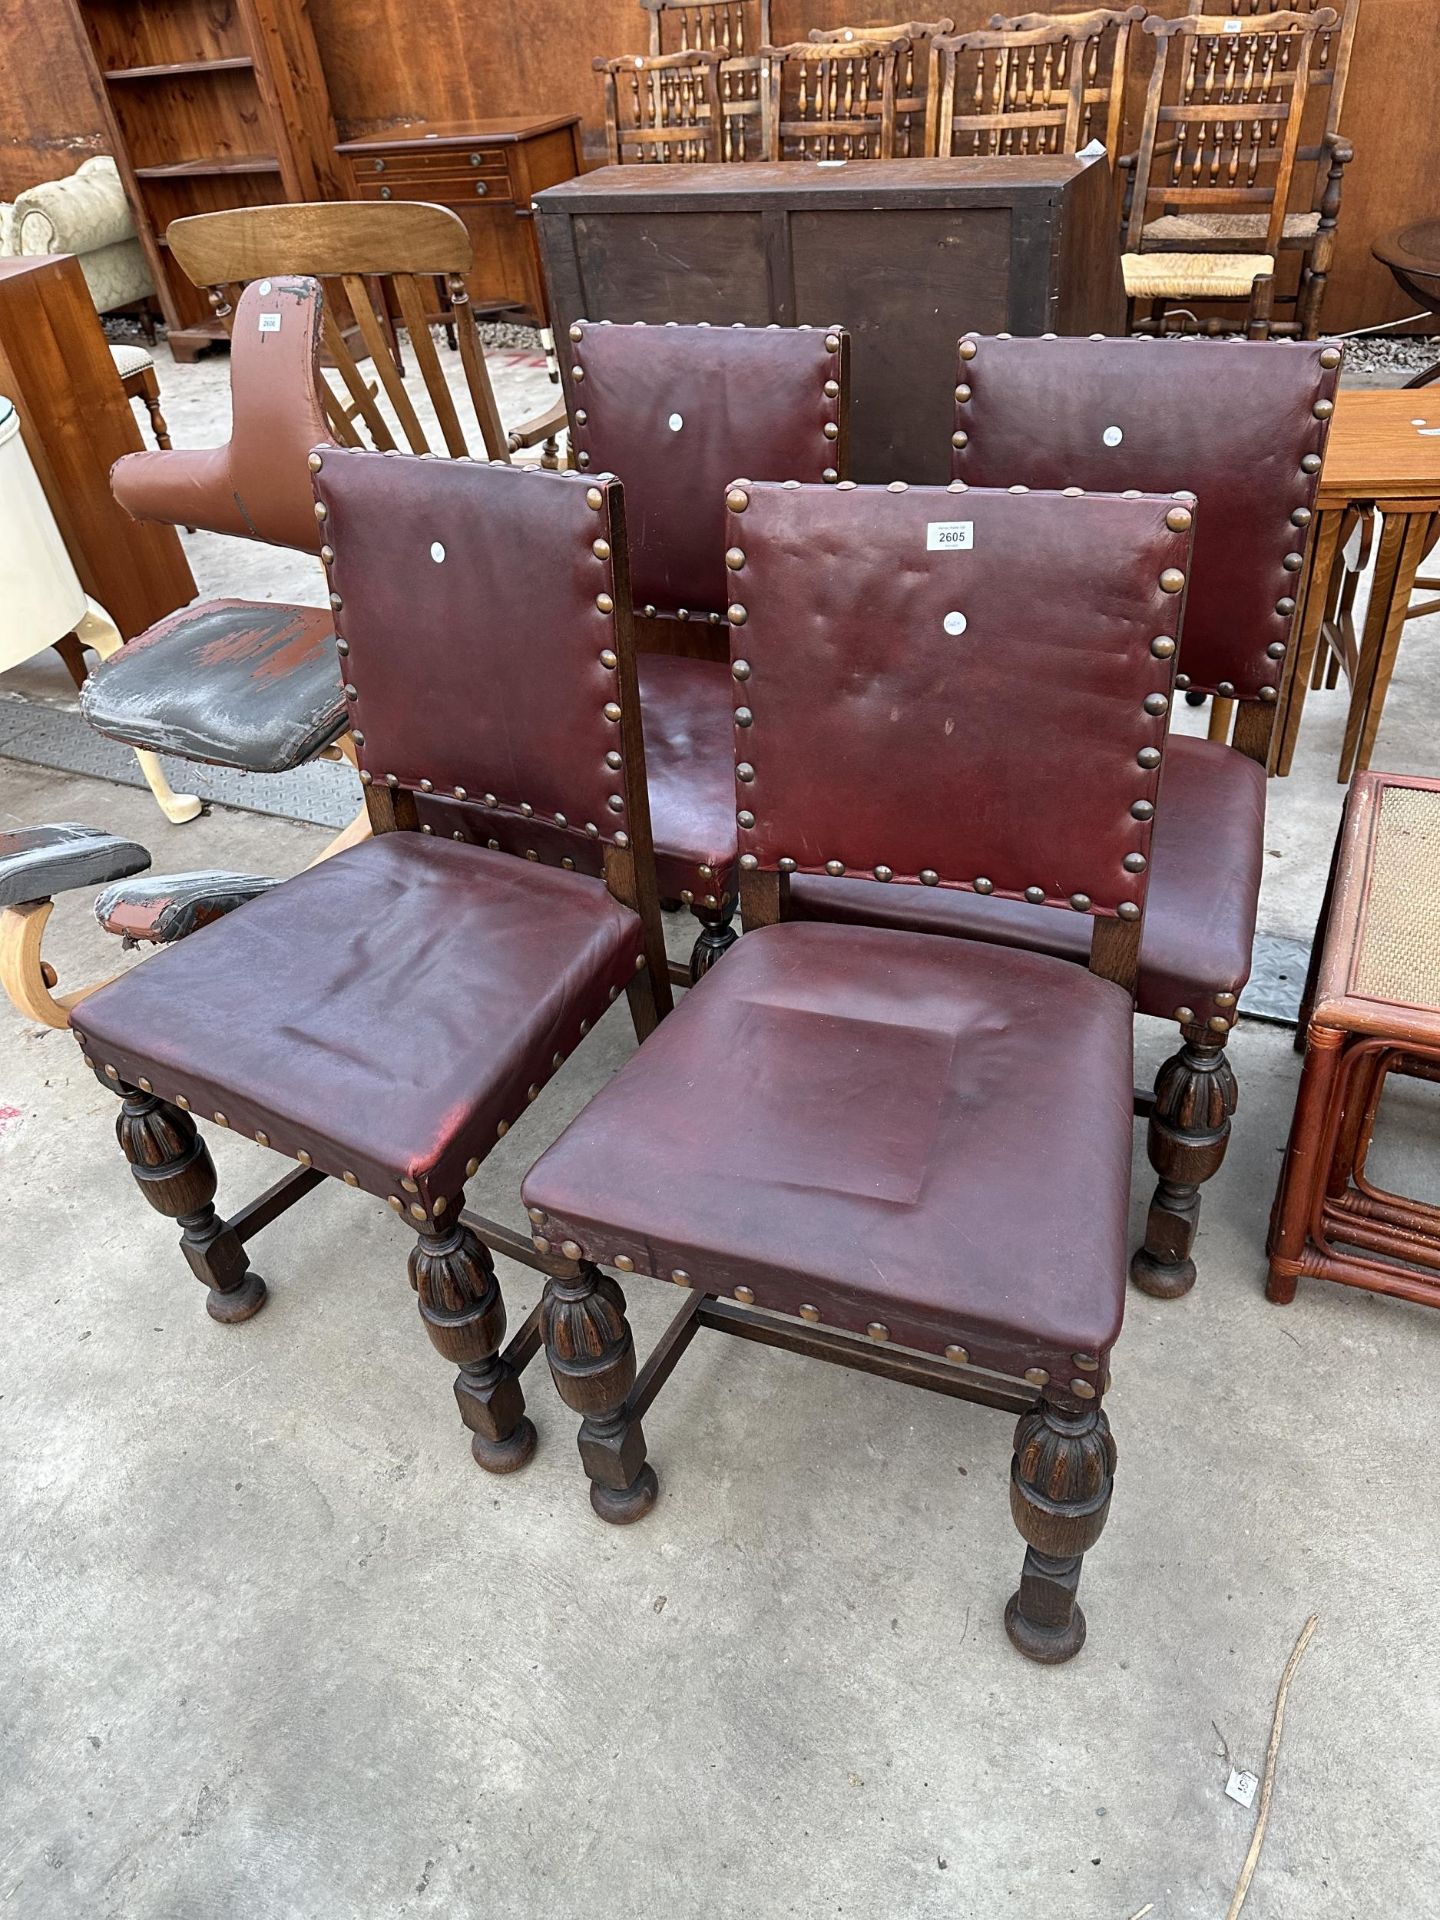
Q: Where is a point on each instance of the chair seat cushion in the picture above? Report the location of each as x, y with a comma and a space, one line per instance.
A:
130, 359
931, 1136
1180, 276
1194, 229
689, 717
1200, 911
238, 683
388, 1012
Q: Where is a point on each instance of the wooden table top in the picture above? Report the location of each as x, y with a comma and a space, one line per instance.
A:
1384, 445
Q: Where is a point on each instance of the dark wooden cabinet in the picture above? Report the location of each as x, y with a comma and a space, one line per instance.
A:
907, 254
487, 171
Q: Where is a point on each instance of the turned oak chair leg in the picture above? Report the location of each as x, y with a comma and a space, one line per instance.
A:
150, 394
454, 1277
1060, 1484
1195, 1095
716, 936
592, 1360
175, 1173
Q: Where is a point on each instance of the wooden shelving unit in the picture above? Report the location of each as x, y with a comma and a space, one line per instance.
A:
210, 104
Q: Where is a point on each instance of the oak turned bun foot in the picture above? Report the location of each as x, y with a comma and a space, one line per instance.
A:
1162, 1280
516, 1450
1050, 1646
241, 1303
623, 1507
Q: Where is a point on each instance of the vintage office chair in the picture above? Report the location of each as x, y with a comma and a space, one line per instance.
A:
383, 1018
1243, 427
380, 263
912, 76
1221, 137
835, 101
735, 29
678, 413
1040, 83
908, 1143
665, 107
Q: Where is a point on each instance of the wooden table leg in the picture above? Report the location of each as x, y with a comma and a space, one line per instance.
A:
1402, 538
1323, 549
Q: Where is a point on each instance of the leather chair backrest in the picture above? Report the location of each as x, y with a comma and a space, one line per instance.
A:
484, 637
257, 485
1240, 424
962, 688
679, 412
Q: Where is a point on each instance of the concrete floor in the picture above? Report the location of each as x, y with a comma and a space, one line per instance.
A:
271, 1646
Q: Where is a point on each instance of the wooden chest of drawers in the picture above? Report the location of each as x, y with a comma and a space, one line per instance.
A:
487, 171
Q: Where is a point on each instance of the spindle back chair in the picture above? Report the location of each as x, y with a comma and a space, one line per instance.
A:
1041, 83
835, 101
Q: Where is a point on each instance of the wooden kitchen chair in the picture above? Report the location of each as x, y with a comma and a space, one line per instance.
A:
912, 77
836, 101
735, 29
678, 413
662, 108
1219, 143
383, 1019
915, 1158
1243, 428
375, 260
1040, 83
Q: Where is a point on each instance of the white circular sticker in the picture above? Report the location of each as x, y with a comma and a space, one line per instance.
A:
1112, 436
676, 421
955, 623
264, 286
437, 552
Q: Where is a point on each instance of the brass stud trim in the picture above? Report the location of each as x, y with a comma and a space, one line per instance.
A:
812, 1314
1037, 1376
878, 1331
624, 1263
745, 1295
958, 1356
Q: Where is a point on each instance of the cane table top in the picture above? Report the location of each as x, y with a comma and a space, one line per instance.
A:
1381, 967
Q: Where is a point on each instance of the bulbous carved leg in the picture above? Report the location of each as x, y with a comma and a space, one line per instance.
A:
592, 1359
1195, 1095
454, 1277
1060, 1484
174, 1171
715, 938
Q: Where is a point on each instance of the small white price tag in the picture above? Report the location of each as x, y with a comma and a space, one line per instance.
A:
1233, 26
269, 323
949, 536
1241, 1786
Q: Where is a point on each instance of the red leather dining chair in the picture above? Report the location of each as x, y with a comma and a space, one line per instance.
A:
384, 1017
907, 1142
1241, 425
678, 413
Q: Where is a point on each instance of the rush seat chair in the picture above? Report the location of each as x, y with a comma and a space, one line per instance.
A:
678, 413
913, 1157
1243, 427
384, 1017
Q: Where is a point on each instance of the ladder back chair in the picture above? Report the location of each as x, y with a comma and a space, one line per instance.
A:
677, 413
1220, 140
735, 29
912, 77
1041, 83
835, 101
376, 260
1330, 54
383, 1019
891, 1159
1242, 427
662, 108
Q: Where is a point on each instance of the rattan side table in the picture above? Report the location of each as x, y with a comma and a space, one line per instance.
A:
1374, 1012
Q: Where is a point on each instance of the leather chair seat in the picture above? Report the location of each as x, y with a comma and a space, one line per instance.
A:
932, 1136
1199, 916
238, 683
388, 1012
688, 712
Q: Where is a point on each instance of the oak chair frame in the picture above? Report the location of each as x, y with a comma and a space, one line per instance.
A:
855, 82
735, 29
1234, 132
912, 82
662, 108
373, 259
451, 1268
1049, 82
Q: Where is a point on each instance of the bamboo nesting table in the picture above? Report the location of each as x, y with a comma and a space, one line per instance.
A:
1375, 1011
1383, 454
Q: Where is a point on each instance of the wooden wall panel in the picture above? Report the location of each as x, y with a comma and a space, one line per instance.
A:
389, 61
